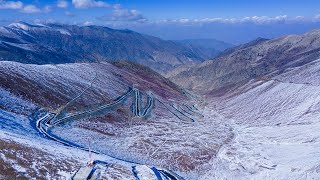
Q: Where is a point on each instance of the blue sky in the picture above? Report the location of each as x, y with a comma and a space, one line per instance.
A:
235, 21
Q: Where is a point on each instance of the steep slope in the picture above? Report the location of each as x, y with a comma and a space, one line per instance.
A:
174, 135
267, 92
257, 59
275, 121
264, 129
54, 43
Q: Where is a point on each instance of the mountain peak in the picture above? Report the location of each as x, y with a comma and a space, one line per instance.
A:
25, 26
20, 25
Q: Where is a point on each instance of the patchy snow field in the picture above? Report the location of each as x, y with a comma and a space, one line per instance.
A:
276, 128
27, 89
25, 154
164, 142
266, 129
269, 152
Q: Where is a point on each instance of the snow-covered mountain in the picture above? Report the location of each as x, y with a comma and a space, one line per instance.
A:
55, 43
255, 116
268, 93
258, 59
275, 123
164, 138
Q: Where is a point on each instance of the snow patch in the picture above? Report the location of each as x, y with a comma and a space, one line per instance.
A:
22, 26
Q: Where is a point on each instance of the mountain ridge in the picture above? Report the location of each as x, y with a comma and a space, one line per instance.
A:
60, 43
255, 59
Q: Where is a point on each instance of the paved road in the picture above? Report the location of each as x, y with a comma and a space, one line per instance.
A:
120, 100
91, 112
149, 106
159, 173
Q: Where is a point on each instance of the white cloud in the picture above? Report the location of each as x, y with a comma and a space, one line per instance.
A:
18, 5
299, 18
316, 18
44, 21
62, 4
264, 19
11, 5
252, 19
184, 20
89, 4
121, 14
30, 9
68, 13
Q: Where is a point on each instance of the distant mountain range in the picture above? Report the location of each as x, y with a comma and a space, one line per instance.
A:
208, 48
56, 43
261, 58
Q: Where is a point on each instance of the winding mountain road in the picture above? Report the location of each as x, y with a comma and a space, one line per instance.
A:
44, 124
